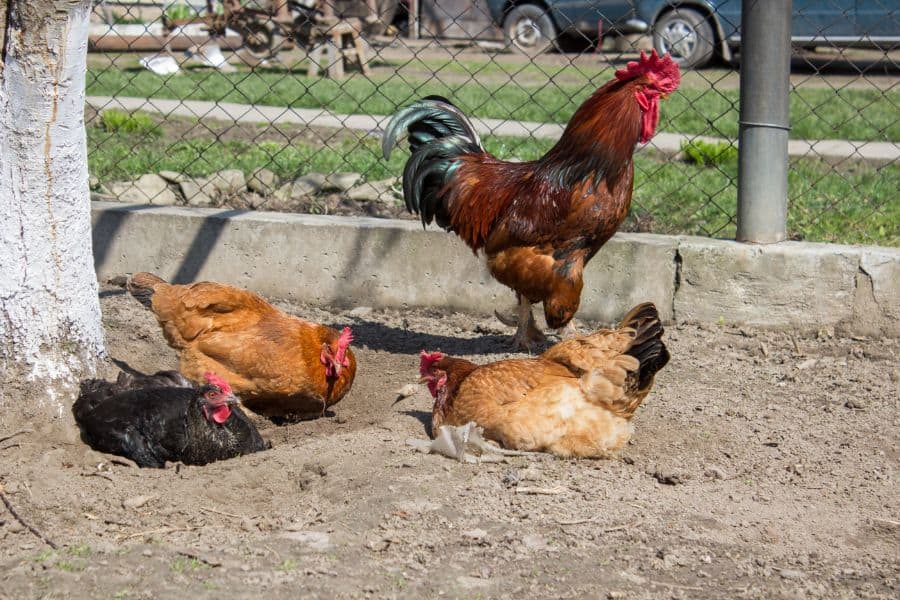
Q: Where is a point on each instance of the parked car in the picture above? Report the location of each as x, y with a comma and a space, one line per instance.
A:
536, 25
695, 32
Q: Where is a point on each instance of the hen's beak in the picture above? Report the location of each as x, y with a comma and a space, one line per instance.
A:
664, 96
232, 400
424, 379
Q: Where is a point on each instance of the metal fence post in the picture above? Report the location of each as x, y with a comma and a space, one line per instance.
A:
764, 120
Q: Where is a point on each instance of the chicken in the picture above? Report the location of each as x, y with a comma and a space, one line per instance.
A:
280, 365
538, 222
163, 417
575, 399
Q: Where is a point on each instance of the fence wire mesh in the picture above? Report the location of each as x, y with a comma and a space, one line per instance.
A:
279, 104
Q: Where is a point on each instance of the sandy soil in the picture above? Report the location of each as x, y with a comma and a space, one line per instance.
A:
764, 465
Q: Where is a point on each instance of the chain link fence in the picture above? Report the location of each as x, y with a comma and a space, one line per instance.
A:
279, 104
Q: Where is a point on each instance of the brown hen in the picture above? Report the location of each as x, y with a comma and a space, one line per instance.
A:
575, 399
278, 364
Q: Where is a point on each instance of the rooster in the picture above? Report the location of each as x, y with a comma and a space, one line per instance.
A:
575, 399
163, 417
539, 222
280, 365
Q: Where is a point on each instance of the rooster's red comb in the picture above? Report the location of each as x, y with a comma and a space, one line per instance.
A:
663, 70
426, 359
213, 379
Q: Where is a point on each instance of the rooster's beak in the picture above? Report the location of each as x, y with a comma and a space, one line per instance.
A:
664, 96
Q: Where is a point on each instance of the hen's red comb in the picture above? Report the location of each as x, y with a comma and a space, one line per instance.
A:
664, 71
342, 344
426, 359
213, 379
346, 338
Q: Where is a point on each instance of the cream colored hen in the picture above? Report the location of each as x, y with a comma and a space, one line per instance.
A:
575, 399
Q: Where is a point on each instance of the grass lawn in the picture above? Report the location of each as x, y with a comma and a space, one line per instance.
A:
815, 113
853, 204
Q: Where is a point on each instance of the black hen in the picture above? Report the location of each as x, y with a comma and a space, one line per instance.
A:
163, 417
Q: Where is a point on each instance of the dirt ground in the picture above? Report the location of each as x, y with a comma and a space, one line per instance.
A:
763, 465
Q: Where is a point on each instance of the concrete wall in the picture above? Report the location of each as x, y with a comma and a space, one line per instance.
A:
386, 263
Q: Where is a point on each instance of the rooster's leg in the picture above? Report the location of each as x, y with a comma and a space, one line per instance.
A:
527, 333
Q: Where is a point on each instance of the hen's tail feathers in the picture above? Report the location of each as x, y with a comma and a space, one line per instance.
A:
647, 347
438, 134
142, 286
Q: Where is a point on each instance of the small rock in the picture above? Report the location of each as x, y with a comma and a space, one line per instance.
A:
530, 474
299, 189
511, 478
378, 545
147, 552
714, 472
147, 189
479, 536
855, 403
374, 191
136, 501
198, 192
94, 182
11, 488
263, 181
103, 196
314, 540
361, 311
15, 527
807, 364
340, 182
533, 541
791, 574
668, 477
172, 176
229, 182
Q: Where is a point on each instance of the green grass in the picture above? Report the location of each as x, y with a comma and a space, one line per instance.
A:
182, 564
853, 204
815, 113
707, 154
113, 120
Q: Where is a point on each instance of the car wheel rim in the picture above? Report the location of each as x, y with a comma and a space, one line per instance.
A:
679, 39
527, 33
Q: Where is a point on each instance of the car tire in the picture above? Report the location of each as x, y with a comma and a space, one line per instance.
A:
529, 29
686, 35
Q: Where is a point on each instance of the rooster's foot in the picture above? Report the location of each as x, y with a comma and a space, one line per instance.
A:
528, 339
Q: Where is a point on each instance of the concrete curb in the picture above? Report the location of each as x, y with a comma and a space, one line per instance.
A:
669, 143
389, 263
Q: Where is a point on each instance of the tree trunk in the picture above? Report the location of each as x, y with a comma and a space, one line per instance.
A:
50, 329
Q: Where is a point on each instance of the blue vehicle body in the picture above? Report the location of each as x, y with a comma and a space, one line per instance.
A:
840, 23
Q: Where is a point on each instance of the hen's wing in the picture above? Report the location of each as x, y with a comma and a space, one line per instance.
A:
616, 367
186, 311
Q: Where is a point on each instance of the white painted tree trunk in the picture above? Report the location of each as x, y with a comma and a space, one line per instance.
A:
50, 328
